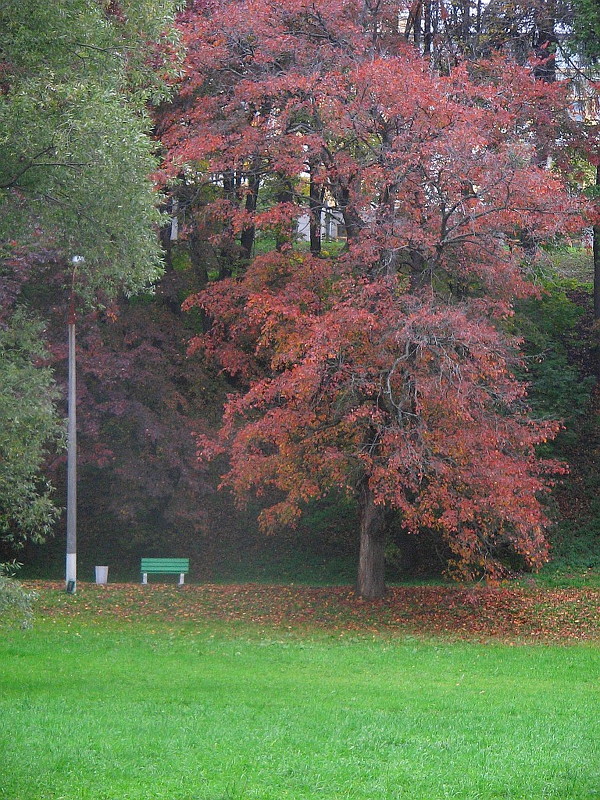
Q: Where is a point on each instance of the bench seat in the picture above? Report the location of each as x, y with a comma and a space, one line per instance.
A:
165, 566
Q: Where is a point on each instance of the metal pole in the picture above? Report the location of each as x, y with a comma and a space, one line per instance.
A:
71, 571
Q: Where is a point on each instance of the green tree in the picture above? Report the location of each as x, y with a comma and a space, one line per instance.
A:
586, 28
75, 157
76, 160
29, 425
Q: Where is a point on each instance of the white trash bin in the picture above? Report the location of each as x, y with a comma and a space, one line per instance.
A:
101, 574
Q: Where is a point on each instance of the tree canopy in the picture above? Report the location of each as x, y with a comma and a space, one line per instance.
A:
29, 428
387, 371
75, 155
75, 180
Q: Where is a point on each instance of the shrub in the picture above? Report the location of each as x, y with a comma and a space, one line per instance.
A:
16, 602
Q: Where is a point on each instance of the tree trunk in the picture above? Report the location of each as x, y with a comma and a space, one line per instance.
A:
371, 560
199, 251
227, 250
466, 23
284, 233
427, 28
248, 234
167, 245
315, 210
419, 273
596, 272
352, 221
596, 247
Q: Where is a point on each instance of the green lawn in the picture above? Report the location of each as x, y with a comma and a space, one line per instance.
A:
209, 710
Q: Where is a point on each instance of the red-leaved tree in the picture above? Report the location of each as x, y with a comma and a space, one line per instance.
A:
388, 369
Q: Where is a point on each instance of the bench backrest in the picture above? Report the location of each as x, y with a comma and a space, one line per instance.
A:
164, 565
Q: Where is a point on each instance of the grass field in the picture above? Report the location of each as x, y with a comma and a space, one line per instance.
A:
124, 693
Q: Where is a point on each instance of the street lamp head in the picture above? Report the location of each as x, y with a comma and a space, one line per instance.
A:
77, 260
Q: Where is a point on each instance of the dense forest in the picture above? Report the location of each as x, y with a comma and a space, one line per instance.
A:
335, 271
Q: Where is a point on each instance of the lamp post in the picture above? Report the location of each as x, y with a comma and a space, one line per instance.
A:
71, 562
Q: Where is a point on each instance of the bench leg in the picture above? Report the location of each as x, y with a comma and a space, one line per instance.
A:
181, 578
144, 577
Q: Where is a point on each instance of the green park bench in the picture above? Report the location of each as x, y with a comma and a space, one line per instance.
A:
165, 566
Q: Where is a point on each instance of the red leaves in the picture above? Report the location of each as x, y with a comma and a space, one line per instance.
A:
390, 364
416, 394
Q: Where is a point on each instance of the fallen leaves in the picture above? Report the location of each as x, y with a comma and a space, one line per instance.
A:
481, 613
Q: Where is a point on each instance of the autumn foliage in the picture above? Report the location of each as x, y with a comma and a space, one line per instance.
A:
387, 370
513, 615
